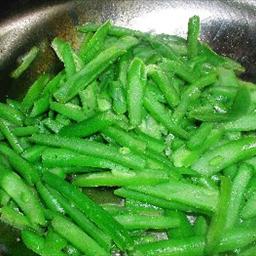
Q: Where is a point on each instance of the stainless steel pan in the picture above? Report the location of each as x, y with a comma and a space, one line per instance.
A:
228, 25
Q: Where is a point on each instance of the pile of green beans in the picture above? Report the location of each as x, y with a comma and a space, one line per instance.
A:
163, 122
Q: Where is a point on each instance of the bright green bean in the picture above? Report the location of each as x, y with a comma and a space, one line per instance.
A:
136, 82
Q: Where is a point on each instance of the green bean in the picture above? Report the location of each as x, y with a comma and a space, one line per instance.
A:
20, 165
26, 61
33, 154
248, 252
165, 86
152, 143
40, 106
225, 155
83, 46
219, 219
94, 212
83, 222
184, 229
21, 194
180, 69
66, 54
227, 77
14, 218
12, 115
76, 236
118, 96
157, 110
193, 34
126, 42
124, 139
38, 244
87, 74
162, 48
205, 182
91, 148
192, 93
114, 30
68, 60
50, 201
122, 69
69, 110
212, 57
53, 84
34, 92
15, 104
95, 44
52, 125
238, 188
58, 157
243, 123
25, 131
200, 226
121, 178
248, 210
4, 198
10, 137
188, 194
149, 199
144, 222
89, 126
136, 82
199, 137
231, 171
194, 246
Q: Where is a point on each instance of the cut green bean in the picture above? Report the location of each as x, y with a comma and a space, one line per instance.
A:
26, 61
193, 34
223, 156
40, 106
194, 246
77, 237
165, 86
12, 115
69, 110
10, 137
94, 212
50, 201
248, 210
188, 194
237, 191
157, 110
14, 218
34, 92
83, 222
136, 82
22, 195
219, 219
144, 222
200, 226
57, 157
89, 126
26, 170
119, 97
121, 178
87, 74
33, 154
91, 148
95, 44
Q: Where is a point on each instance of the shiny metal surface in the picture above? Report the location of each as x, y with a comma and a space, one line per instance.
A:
228, 25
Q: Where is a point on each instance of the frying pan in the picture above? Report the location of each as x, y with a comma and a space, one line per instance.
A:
229, 26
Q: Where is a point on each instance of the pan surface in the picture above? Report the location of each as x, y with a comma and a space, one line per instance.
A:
229, 26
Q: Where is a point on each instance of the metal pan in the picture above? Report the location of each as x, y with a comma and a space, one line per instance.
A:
229, 26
